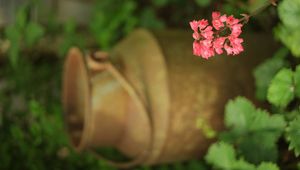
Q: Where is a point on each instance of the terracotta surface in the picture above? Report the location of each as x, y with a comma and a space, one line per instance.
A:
145, 98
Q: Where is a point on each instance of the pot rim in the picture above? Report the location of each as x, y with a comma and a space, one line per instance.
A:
76, 71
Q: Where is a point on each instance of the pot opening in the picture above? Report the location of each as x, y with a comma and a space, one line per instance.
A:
76, 98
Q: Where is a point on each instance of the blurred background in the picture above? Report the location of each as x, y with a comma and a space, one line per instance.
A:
34, 38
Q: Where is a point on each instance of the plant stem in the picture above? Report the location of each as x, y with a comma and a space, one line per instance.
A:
257, 11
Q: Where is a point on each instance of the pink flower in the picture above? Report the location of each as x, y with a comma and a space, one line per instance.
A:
203, 23
207, 53
203, 48
206, 43
194, 25
218, 44
223, 18
209, 39
196, 36
228, 49
207, 33
231, 20
206, 49
216, 15
218, 20
196, 48
235, 46
236, 29
217, 24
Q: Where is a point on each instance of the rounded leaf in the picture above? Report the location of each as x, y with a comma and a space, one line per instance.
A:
289, 12
281, 90
297, 81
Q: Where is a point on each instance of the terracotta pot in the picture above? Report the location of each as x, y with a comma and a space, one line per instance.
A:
145, 98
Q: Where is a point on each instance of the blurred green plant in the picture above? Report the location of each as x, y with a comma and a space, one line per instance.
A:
70, 38
223, 156
31, 130
110, 22
267, 70
252, 129
23, 33
289, 30
31, 127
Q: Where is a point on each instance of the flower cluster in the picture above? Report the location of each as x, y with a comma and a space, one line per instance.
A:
223, 34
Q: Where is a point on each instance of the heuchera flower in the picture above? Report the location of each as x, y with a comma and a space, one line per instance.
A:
208, 40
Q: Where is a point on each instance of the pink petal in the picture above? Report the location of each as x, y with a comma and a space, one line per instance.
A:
207, 53
203, 23
231, 20
196, 36
219, 50
207, 33
206, 43
196, 48
228, 49
219, 42
194, 25
223, 18
216, 15
217, 24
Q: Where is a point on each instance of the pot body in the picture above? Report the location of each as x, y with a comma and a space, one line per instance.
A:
150, 113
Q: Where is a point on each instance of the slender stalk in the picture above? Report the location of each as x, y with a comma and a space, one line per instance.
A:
246, 17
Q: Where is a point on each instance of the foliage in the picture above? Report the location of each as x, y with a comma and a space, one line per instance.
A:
289, 30
32, 132
223, 156
277, 79
281, 90
110, 21
31, 127
252, 129
70, 38
266, 71
293, 135
23, 32
203, 2
206, 129
297, 81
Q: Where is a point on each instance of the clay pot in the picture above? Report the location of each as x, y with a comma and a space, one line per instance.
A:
145, 97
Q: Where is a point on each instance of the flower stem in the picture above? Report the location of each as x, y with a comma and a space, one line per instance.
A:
246, 17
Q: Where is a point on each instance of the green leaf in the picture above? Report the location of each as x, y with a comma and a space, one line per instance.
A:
264, 73
221, 155
243, 165
150, 20
262, 135
203, 3
297, 81
178, 166
264, 145
207, 130
33, 33
70, 38
290, 37
255, 5
160, 3
13, 53
21, 17
14, 37
268, 166
237, 114
281, 90
293, 135
289, 12
252, 129
196, 165
261, 120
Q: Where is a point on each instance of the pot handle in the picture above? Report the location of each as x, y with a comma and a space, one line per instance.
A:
99, 62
